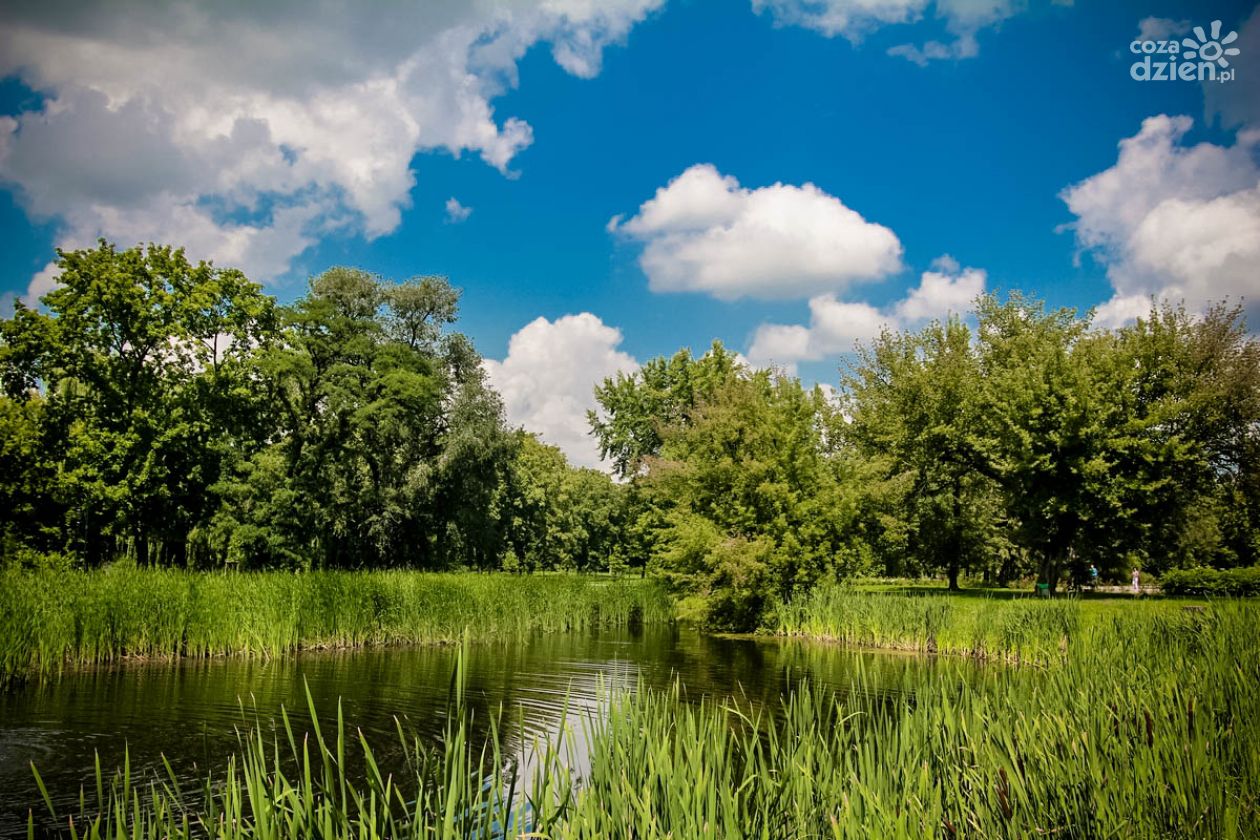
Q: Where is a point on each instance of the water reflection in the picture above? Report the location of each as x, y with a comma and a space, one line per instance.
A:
191, 710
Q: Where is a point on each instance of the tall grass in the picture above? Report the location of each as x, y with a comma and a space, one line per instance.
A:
1024, 629
50, 620
1147, 728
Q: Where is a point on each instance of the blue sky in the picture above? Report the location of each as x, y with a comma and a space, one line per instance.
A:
967, 155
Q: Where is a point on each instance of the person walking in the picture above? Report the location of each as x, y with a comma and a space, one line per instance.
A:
1093, 577
1136, 580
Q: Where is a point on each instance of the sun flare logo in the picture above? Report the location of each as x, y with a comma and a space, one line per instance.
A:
1198, 59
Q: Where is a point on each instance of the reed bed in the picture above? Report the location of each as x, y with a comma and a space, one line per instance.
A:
51, 620
1019, 629
1147, 729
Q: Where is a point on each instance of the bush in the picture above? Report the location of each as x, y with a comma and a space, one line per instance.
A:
1235, 583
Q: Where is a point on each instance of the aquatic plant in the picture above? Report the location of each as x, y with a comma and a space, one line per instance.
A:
50, 620
1146, 728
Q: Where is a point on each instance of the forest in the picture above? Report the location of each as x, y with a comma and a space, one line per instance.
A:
161, 412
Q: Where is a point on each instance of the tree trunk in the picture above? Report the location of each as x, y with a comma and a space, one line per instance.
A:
954, 560
1051, 565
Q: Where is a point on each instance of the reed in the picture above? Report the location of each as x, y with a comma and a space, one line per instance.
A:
50, 620
1016, 629
1147, 728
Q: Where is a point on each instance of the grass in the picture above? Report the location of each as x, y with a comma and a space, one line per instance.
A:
1146, 728
51, 620
1004, 625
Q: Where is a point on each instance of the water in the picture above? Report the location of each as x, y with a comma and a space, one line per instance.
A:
191, 710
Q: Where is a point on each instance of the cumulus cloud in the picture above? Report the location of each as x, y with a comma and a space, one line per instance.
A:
854, 19
549, 375
247, 131
946, 289
456, 212
835, 326
1172, 221
703, 232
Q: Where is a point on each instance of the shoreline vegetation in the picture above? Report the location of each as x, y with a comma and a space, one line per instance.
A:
1145, 728
57, 620
996, 625
54, 620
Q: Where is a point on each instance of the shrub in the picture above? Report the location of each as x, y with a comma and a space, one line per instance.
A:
1235, 583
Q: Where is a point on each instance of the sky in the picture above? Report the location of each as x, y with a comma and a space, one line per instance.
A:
612, 181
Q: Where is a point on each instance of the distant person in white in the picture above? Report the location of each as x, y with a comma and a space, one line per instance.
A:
1135, 580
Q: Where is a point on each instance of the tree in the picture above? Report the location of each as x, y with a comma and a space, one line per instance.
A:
387, 447
1194, 386
915, 403
561, 517
754, 504
636, 407
1059, 432
134, 385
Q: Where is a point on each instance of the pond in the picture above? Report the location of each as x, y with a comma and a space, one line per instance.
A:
191, 710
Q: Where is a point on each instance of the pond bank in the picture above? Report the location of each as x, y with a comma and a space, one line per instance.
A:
51, 620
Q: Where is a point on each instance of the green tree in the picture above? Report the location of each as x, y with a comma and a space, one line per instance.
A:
754, 501
562, 517
1193, 384
133, 362
386, 446
1060, 433
914, 400
636, 407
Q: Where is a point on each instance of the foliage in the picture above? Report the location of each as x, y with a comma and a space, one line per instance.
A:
915, 403
636, 408
1216, 582
1046, 439
752, 505
172, 414
560, 517
124, 395
377, 423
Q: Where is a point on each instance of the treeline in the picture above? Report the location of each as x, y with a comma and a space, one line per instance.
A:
1034, 444
174, 414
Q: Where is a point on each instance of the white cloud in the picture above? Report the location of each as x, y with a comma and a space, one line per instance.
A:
247, 131
781, 346
1173, 221
703, 232
456, 212
947, 289
549, 375
44, 281
854, 19
851, 19
836, 326
1161, 29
